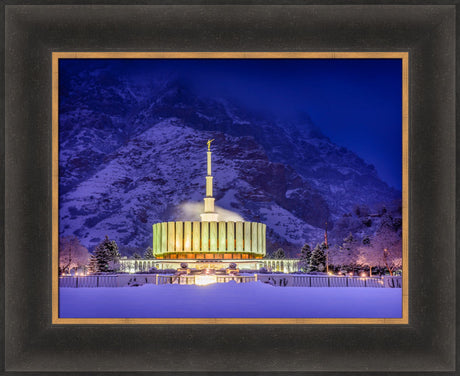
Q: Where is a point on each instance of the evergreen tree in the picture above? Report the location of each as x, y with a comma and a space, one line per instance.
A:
93, 266
350, 251
279, 254
148, 253
136, 256
346, 256
318, 258
368, 257
102, 258
305, 257
107, 255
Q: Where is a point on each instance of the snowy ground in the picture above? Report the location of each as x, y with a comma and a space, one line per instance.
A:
229, 300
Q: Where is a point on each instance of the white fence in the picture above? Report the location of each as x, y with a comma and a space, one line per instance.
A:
321, 281
89, 281
236, 278
120, 280
192, 279
281, 280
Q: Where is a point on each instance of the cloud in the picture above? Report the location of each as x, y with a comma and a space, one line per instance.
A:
190, 211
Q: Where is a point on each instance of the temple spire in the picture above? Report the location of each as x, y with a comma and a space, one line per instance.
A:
209, 214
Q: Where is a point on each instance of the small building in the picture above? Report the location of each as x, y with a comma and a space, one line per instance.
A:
272, 265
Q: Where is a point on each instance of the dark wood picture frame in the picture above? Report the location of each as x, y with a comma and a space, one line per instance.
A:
32, 343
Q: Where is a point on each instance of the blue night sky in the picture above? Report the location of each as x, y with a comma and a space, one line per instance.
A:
357, 103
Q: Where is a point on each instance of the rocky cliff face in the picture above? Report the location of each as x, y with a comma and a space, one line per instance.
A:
132, 155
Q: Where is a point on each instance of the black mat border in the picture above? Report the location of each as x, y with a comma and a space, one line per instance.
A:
32, 344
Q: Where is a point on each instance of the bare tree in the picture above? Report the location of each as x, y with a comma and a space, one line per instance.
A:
71, 254
384, 251
370, 256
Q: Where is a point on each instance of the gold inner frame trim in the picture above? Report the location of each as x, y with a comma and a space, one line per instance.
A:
403, 55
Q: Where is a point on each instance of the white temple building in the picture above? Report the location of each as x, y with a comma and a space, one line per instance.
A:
209, 243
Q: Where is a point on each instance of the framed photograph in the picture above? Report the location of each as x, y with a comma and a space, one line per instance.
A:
290, 138
284, 205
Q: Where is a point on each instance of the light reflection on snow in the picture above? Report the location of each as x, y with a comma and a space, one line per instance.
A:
203, 280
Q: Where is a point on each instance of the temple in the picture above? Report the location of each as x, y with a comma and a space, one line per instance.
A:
209, 243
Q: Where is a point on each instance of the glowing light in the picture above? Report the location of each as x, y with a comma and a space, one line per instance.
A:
350, 274
363, 275
190, 210
203, 280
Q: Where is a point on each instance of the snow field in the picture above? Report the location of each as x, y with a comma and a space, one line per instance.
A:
229, 300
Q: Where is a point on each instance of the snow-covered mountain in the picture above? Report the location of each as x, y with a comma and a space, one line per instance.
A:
133, 154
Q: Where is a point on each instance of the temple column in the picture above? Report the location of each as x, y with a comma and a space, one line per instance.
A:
213, 236
222, 236
196, 235
254, 237
187, 236
247, 236
239, 236
259, 238
154, 239
179, 236
230, 236
264, 234
204, 236
171, 237
158, 239
164, 237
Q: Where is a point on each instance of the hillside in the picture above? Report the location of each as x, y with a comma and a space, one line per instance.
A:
134, 154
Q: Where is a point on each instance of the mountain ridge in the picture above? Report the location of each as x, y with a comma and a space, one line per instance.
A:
138, 156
